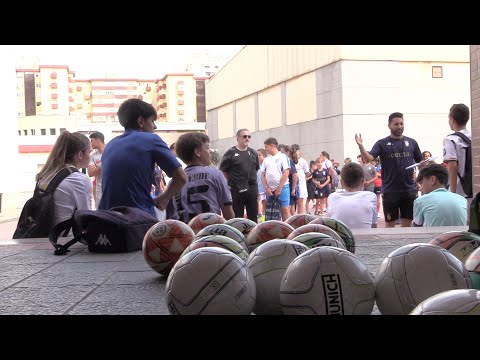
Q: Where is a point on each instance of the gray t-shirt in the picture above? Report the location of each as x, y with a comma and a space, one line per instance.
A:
206, 191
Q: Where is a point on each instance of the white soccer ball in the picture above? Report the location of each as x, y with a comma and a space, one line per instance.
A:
327, 281
451, 302
268, 263
210, 281
414, 273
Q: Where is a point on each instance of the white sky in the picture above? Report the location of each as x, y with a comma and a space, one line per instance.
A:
138, 61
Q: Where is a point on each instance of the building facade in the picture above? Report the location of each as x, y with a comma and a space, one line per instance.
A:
319, 96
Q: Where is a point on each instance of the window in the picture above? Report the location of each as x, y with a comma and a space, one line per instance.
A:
38, 85
19, 132
32, 131
53, 131
62, 129
25, 132
43, 131
39, 103
437, 72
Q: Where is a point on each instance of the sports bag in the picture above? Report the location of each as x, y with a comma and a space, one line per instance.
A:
117, 230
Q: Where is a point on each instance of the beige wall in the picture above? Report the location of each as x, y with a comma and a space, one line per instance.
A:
245, 114
475, 114
266, 66
269, 108
301, 99
225, 122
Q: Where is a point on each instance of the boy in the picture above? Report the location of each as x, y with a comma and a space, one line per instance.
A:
206, 189
354, 206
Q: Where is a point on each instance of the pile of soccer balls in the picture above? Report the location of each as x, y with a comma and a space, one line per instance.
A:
306, 265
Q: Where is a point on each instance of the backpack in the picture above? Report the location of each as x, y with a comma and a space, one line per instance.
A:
36, 219
117, 230
466, 180
272, 210
335, 179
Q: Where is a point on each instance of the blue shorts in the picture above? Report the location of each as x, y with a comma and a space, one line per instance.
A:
284, 198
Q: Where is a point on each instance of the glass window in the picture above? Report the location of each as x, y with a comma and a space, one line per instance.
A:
53, 131
43, 131
25, 132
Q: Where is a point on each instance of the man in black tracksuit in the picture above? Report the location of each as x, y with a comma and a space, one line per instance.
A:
240, 165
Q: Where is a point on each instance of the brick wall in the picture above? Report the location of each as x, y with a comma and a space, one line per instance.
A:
475, 113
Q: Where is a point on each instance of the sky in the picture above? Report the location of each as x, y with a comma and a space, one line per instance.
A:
138, 61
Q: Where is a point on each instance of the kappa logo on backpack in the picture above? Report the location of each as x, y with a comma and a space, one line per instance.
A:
466, 180
36, 219
103, 240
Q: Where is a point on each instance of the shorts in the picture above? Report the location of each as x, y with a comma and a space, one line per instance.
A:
303, 190
377, 189
323, 192
262, 196
402, 202
284, 197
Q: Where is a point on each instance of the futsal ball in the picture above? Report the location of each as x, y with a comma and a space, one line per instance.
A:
459, 243
218, 241
413, 273
327, 281
451, 302
341, 229
242, 224
268, 263
210, 281
315, 228
473, 267
203, 220
298, 220
163, 244
314, 239
224, 230
268, 230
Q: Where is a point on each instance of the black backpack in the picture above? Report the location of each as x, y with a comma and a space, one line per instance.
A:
36, 219
466, 180
117, 230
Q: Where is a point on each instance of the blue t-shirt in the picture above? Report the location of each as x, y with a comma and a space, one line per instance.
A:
395, 156
440, 208
128, 163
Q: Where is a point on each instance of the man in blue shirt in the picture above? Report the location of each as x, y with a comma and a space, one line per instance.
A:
397, 152
437, 206
128, 162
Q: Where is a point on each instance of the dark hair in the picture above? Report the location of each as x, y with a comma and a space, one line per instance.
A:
262, 151
352, 175
187, 143
460, 113
394, 115
130, 110
327, 155
437, 170
271, 141
426, 151
312, 162
97, 135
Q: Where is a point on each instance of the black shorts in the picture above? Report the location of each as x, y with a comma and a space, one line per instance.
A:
377, 189
402, 202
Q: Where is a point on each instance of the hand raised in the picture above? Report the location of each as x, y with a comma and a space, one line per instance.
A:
358, 139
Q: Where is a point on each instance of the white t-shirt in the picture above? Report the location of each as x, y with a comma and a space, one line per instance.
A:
453, 149
73, 193
273, 167
302, 169
96, 159
357, 209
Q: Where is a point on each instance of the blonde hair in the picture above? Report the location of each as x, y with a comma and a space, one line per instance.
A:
63, 152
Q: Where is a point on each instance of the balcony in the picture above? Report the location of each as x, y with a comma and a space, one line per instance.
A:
70, 90
79, 88
87, 97
180, 112
180, 92
70, 80
53, 75
70, 98
180, 102
54, 96
163, 96
71, 109
53, 85
148, 88
79, 106
54, 106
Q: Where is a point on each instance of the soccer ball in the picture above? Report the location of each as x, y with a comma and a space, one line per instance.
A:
341, 229
270, 229
413, 273
210, 281
203, 220
315, 228
473, 266
224, 230
314, 239
241, 224
298, 220
163, 244
268, 263
451, 302
218, 241
459, 243
327, 281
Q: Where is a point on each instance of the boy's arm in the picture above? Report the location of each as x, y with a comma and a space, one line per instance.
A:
452, 175
227, 212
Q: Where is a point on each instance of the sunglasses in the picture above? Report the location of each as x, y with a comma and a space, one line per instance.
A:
246, 136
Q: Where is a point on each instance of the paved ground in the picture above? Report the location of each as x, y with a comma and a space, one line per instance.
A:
34, 281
